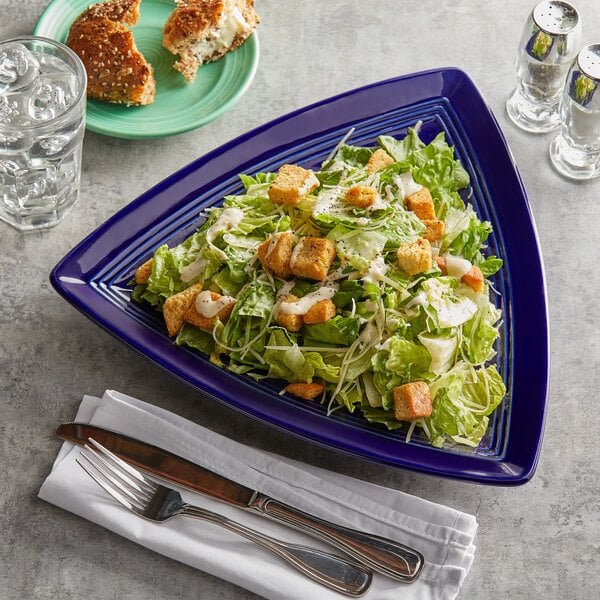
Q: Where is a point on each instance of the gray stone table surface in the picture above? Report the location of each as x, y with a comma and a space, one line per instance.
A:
539, 540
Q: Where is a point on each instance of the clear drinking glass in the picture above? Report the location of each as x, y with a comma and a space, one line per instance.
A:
550, 41
42, 120
575, 152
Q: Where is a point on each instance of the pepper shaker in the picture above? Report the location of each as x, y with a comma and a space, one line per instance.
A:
550, 41
575, 152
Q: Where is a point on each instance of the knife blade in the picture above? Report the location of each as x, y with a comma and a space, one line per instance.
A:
383, 555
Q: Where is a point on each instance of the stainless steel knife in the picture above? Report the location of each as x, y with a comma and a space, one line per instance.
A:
380, 554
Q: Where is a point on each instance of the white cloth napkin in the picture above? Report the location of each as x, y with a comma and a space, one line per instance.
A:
444, 535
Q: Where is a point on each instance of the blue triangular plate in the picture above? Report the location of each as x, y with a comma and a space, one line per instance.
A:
95, 275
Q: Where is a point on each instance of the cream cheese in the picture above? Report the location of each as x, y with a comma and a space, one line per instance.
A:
233, 25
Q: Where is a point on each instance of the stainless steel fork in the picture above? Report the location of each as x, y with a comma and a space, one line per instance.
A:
157, 502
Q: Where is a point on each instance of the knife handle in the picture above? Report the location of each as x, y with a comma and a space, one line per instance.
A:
380, 554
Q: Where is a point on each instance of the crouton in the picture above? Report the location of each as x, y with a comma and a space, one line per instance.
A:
292, 322
434, 229
177, 305
275, 254
291, 184
144, 271
206, 308
379, 159
412, 401
306, 391
474, 279
320, 312
312, 258
440, 261
421, 203
415, 257
361, 196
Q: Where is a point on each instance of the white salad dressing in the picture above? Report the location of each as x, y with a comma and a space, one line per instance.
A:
228, 219
376, 271
294, 255
406, 184
209, 308
457, 266
329, 202
378, 203
273, 241
286, 289
302, 306
308, 184
194, 269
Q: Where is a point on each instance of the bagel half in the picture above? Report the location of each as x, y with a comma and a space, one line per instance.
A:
117, 71
203, 31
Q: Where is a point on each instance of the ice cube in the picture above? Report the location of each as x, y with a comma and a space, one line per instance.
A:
53, 145
52, 95
14, 109
11, 165
49, 63
34, 189
15, 141
18, 67
49, 147
59, 143
41, 103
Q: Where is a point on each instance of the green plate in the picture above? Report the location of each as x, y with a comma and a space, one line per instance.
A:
178, 105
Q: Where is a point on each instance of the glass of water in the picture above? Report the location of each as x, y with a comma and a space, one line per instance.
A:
42, 121
550, 41
575, 152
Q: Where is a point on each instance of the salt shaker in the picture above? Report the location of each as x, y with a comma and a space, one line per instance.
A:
575, 152
550, 41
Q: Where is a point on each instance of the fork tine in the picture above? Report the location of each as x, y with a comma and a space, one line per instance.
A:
109, 489
111, 471
100, 449
112, 479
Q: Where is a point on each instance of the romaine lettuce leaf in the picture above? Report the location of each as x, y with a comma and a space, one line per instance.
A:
286, 361
451, 307
462, 400
442, 349
339, 331
360, 248
480, 333
432, 165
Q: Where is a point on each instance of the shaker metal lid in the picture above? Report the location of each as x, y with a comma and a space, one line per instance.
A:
584, 78
556, 17
589, 61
